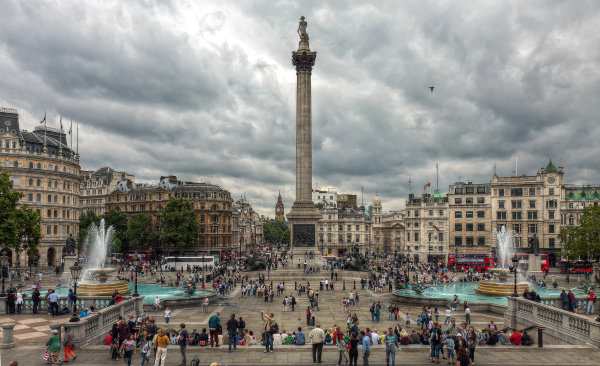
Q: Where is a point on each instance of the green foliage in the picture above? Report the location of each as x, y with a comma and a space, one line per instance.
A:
583, 241
139, 231
118, 220
276, 232
18, 225
178, 224
85, 220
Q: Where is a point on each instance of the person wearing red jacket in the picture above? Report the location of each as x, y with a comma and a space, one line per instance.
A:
591, 301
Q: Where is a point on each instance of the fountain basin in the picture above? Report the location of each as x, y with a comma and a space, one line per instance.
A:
497, 288
102, 288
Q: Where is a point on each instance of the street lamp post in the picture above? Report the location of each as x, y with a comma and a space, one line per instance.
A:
3, 265
136, 263
515, 261
75, 273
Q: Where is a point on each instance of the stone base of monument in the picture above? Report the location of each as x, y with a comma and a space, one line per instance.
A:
535, 267
495, 288
69, 262
103, 289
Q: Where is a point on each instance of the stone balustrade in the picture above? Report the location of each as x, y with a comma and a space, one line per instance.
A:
562, 327
99, 302
93, 328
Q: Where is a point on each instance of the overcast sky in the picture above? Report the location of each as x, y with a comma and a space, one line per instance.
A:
205, 90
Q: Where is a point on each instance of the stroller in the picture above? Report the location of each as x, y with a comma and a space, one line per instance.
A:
49, 361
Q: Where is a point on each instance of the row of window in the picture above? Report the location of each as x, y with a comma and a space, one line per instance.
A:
469, 200
469, 214
38, 183
340, 227
469, 241
469, 190
469, 227
340, 238
430, 212
516, 192
66, 200
430, 236
518, 215
52, 230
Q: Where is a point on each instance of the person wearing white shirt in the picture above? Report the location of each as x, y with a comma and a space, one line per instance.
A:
448, 316
374, 337
468, 315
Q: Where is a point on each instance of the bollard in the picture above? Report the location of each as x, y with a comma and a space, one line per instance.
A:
354, 285
541, 337
7, 336
344, 282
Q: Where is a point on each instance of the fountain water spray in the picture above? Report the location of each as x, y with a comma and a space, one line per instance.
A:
97, 244
505, 246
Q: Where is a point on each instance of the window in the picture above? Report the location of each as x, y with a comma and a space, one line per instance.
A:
30, 165
458, 190
517, 215
481, 189
30, 182
571, 220
501, 192
517, 228
469, 200
516, 191
458, 241
469, 241
551, 242
440, 236
515, 204
55, 229
480, 227
38, 197
480, 214
551, 229
469, 214
408, 236
500, 215
551, 191
532, 215
457, 227
30, 197
458, 214
480, 199
470, 190
532, 191
468, 227
458, 200
532, 228
481, 240
441, 212
416, 236
430, 212
500, 204
49, 198
49, 213
531, 204
357, 227
15, 182
39, 166
551, 215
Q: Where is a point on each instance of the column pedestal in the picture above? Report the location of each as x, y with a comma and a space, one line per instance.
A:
66, 275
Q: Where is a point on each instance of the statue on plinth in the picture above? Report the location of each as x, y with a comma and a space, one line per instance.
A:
534, 244
302, 29
70, 245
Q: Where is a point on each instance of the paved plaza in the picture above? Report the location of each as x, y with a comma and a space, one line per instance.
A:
31, 333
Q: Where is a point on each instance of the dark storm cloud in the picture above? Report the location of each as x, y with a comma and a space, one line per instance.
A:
207, 91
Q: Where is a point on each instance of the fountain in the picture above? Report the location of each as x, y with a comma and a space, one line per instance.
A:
502, 284
95, 279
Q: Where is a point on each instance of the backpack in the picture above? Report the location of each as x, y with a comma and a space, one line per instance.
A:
274, 328
327, 338
372, 308
435, 337
195, 362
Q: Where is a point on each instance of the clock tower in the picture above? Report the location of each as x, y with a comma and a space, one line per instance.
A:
279, 216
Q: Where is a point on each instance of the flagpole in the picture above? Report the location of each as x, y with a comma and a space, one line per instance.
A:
77, 139
71, 133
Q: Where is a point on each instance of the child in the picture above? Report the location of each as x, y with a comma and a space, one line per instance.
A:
449, 342
408, 320
418, 322
146, 349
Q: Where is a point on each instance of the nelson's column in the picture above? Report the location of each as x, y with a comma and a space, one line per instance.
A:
303, 215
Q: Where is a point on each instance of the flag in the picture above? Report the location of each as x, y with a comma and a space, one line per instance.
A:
427, 185
367, 212
71, 128
61, 123
44, 120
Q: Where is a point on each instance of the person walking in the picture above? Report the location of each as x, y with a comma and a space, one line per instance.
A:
205, 305
53, 301
317, 337
68, 344
468, 315
213, 324
391, 341
436, 342
183, 341
589, 309
232, 326
366, 348
167, 315
161, 342
270, 328
353, 351
35, 298
128, 349
53, 345
342, 346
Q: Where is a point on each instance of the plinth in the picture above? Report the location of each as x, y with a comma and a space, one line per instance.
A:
69, 262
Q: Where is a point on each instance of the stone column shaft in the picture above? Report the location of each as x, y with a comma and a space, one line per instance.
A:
303, 137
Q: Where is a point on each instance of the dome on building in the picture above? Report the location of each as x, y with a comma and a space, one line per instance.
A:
551, 168
377, 201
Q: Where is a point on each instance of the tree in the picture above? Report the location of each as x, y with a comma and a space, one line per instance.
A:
18, 225
85, 220
139, 231
178, 224
118, 220
276, 232
583, 241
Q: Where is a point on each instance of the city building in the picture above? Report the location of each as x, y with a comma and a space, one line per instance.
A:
279, 209
325, 197
393, 228
469, 218
247, 227
213, 206
529, 205
46, 170
426, 227
343, 229
95, 185
346, 200
573, 199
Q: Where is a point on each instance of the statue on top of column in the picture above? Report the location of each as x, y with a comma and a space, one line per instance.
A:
302, 29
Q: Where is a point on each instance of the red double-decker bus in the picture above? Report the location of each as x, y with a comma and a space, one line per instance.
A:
479, 262
575, 267
145, 255
524, 261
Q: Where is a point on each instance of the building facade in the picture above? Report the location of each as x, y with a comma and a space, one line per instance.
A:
213, 206
426, 222
95, 185
343, 230
529, 205
247, 227
469, 218
46, 170
325, 197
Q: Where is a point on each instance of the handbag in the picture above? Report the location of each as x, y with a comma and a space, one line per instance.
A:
47, 355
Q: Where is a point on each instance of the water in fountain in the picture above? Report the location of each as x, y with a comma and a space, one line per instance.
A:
97, 244
505, 246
